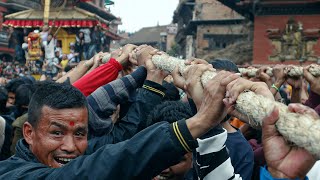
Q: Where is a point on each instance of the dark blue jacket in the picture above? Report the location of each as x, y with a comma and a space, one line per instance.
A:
103, 102
241, 154
142, 157
134, 121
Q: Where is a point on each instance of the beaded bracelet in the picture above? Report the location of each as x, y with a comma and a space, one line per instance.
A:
275, 87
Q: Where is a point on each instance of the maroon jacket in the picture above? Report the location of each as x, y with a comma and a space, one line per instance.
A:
314, 102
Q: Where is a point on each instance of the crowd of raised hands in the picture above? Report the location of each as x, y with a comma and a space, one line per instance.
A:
218, 97
210, 103
300, 86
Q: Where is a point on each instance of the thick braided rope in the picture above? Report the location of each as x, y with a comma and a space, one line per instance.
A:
301, 129
293, 71
314, 69
106, 58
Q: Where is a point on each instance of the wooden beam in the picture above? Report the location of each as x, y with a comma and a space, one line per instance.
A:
278, 2
46, 12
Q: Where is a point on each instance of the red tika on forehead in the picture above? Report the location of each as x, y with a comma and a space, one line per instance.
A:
71, 123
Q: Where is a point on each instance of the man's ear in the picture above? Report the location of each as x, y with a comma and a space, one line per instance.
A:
28, 132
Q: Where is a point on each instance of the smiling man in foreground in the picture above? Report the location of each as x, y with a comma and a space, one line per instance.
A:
55, 142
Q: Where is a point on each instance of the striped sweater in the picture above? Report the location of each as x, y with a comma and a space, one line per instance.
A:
103, 102
211, 159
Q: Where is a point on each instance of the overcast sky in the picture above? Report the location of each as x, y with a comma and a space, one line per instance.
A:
136, 14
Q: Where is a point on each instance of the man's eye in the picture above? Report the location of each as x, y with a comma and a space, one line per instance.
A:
80, 134
57, 133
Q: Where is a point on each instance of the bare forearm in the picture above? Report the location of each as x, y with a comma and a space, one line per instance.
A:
278, 97
75, 73
50, 30
296, 96
43, 77
92, 68
155, 77
197, 126
58, 66
273, 90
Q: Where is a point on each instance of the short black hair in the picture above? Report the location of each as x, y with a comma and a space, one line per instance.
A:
24, 94
170, 111
13, 85
3, 100
56, 96
28, 79
224, 64
68, 68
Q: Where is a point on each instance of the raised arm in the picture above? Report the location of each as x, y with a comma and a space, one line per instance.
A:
314, 96
280, 78
147, 98
211, 158
98, 77
105, 73
103, 102
158, 141
296, 84
76, 73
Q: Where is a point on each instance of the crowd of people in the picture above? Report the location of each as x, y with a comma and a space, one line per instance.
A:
34, 48
11, 70
127, 119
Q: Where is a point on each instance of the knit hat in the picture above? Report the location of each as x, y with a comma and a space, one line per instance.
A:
170, 111
224, 64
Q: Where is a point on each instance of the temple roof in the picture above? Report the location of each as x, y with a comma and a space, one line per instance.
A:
62, 17
250, 8
60, 14
89, 6
146, 35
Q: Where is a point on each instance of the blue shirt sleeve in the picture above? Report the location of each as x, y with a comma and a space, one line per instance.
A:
265, 175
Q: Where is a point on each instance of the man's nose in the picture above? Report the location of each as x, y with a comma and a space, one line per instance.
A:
68, 144
166, 170
11, 100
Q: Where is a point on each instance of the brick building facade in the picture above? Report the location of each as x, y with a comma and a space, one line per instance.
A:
285, 31
160, 37
263, 46
205, 26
